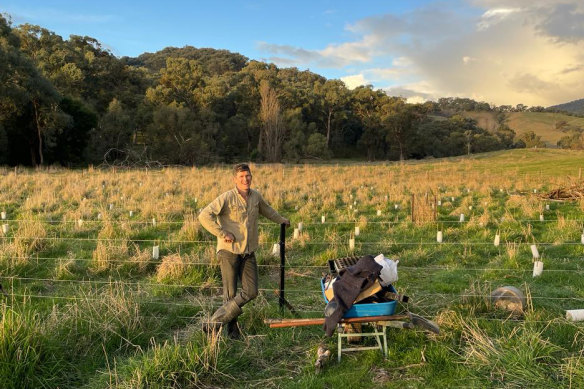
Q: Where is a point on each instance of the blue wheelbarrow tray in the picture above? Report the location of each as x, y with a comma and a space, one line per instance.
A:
367, 309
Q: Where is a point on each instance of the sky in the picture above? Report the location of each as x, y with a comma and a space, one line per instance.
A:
504, 52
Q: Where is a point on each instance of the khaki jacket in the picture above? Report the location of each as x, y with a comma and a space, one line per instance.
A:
230, 213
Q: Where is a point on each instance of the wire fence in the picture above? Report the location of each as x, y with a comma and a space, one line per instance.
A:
308, 243
219, 287
293, 266
159, 222
155, 224
163, 219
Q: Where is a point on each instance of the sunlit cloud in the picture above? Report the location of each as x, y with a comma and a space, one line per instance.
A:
350, 52
570, 69
389, 74
494, 16
354, 81
498, 51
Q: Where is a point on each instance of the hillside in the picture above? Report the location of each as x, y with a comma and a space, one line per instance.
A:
550, 126
545, 124
485, 119
576, 106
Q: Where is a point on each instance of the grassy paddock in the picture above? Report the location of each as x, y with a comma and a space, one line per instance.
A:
86, 305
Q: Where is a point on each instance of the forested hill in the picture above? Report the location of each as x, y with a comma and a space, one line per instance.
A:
576, 107
214, 62
72, 102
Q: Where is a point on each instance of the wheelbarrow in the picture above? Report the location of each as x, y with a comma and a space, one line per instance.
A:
379, 315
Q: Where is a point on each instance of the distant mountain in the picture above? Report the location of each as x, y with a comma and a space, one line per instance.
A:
576, 106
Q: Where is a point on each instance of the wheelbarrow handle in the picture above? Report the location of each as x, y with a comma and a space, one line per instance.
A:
280, 323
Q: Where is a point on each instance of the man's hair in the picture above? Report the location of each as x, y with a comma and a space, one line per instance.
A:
241, 167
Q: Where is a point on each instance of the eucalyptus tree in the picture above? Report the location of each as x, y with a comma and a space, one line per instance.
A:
28, 101
333, 97
181, 82
366, 104
183, 128
273, 131
400, 120
245, 100
53, 57
177, 135
530, 139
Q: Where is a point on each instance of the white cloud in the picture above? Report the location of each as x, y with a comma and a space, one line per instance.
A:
350, 52
418, 99
389, 74
354, 81
332, 56
418, 92
402, 62
495, 16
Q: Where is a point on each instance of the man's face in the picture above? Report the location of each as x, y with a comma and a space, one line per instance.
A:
243, 180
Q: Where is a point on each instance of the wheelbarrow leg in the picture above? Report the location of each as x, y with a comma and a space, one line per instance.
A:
384, 340
339, 347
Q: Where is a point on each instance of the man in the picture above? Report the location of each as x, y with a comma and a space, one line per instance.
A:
233, 219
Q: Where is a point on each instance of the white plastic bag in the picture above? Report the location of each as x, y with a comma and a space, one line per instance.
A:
388, 273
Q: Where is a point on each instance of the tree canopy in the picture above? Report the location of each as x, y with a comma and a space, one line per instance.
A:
72, 102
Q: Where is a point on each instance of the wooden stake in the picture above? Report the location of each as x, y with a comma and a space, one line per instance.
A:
413, 200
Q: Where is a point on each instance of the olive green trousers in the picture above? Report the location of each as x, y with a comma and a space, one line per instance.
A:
238, 267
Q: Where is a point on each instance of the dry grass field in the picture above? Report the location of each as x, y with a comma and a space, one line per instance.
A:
85, 303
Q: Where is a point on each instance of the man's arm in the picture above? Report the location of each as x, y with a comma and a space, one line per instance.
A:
271, 213
208, 217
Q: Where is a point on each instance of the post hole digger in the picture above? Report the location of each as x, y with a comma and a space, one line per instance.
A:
360, 290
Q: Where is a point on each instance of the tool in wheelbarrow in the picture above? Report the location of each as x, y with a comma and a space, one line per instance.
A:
423, 323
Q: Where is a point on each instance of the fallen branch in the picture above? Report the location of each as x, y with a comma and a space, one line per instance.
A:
574, 192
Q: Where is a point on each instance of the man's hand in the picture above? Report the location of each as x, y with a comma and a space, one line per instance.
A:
229, 238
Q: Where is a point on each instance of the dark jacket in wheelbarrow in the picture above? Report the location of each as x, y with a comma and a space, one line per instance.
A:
347, 287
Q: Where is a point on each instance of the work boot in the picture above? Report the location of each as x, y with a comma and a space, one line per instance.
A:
227, 312
233, 330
